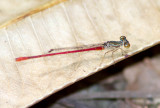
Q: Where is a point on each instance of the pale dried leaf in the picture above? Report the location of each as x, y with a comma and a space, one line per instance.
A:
71, 23
10, 9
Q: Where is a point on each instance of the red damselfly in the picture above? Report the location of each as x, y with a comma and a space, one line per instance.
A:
101, 46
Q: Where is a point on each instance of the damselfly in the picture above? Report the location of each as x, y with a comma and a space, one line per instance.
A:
101, 46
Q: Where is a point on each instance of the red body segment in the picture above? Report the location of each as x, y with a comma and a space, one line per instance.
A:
65, 52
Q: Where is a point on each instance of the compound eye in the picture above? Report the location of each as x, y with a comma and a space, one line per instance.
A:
126, 45
122, 38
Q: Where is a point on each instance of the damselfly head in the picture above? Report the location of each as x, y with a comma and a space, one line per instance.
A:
125, 41
126, 44
122, 38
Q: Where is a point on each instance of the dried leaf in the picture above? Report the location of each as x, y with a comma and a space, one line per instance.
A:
71, 23
10, 9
